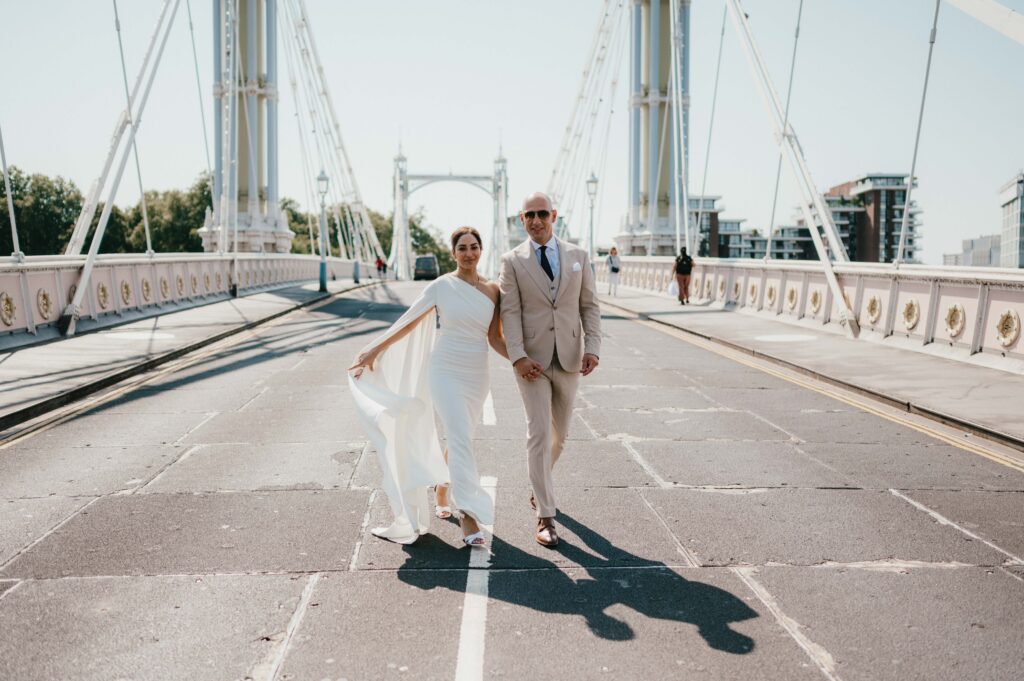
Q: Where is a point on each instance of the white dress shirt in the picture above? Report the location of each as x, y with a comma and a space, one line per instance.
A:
552, 254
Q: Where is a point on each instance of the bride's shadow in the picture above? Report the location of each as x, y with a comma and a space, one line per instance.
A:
650, 588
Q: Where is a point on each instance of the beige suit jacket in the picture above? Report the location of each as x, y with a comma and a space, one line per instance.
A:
536, 320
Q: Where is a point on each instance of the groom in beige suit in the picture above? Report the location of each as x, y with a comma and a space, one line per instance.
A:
552, 326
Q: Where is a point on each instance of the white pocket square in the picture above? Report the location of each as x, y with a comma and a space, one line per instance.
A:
576, 267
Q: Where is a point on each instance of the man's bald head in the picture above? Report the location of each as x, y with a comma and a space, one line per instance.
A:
538, 216
535, 199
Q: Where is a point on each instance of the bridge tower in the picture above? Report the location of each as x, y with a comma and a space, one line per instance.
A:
246, 214
653, 188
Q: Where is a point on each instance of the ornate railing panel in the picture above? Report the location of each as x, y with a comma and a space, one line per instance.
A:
960, 312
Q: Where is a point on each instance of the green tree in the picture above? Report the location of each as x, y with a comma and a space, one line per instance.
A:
175, 218
45, 211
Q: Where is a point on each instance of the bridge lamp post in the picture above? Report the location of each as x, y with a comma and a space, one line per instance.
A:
592, 193
321, 185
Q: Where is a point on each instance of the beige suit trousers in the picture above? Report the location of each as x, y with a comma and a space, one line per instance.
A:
549, 401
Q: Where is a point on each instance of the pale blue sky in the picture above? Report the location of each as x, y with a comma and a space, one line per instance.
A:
451, 76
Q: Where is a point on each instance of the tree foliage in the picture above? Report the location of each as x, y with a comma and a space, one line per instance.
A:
46, 210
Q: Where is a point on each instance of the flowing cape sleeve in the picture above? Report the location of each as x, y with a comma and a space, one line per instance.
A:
394, 405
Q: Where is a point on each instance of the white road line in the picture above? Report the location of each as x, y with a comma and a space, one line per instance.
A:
362, 531
53, 529
272, 667
821, 657
648, 468
691, 560
209, 415
943, 520
490, 419
253, 398
473, 633
187, 453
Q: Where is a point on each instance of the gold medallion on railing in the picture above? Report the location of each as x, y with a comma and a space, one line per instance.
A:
194, 282
165, 288
791, 298
707, 287
721, 288
217, 278
956, 319
179, 282
752, 294
44, 303
815, 301
695, 286
771, 294
102, 295
72, 290
7, 309
911, 314
1008, 328
147, 290
874, 309
126, 292
206, 281
737, 290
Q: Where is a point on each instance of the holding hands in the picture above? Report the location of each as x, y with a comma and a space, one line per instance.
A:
528, 369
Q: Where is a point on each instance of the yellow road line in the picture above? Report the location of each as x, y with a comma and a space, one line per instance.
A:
829, 391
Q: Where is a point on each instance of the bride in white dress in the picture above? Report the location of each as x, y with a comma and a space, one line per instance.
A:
434, 358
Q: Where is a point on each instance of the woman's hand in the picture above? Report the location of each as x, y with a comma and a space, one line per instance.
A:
365, 360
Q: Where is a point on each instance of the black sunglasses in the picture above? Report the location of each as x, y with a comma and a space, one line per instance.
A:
542, 214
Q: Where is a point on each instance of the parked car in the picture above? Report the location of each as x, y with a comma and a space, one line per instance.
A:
426, 267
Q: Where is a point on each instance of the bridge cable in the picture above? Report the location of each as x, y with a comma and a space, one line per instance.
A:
917, 140
324, 135
306, 173
711, 123
199, 91
318, 125
602, 164
785, 125
133, 123
17, 254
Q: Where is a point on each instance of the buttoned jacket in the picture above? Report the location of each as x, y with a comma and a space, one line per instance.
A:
540, 316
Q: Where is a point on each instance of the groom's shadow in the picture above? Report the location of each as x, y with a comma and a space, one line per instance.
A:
650, 588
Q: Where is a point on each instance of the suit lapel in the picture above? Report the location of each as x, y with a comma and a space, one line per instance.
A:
563, 265
530, 264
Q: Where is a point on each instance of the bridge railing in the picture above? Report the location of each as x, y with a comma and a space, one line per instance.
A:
958, 312
34, 293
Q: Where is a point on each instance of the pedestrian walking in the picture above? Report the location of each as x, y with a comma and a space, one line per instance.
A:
380, 267
684, 267
614, 265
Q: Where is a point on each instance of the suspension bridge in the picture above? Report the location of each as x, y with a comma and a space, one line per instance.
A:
815, 469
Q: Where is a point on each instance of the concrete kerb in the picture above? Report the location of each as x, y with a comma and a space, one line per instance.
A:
978, 429
55, 402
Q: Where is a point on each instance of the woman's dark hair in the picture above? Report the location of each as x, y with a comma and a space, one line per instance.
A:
463, 231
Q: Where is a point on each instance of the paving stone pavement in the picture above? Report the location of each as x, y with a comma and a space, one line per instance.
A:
717, 522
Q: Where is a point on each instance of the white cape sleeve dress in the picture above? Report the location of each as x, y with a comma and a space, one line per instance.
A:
394, 406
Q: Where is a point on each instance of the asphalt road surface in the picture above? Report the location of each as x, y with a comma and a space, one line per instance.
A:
717, 522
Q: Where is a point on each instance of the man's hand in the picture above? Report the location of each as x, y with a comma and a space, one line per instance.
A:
528, 369
590, 363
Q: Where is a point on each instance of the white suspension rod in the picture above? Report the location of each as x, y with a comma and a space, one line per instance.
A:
711, 123
17, 254
135, 146
917, 140
199, 90
785, 124
70, 317
787, 137
84, 221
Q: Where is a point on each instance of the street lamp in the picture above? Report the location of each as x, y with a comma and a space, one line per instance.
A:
592, 193
321, 185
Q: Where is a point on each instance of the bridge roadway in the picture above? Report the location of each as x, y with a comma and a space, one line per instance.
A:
719, 521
